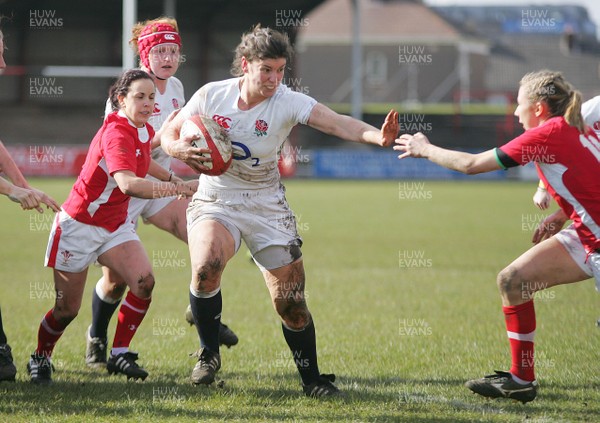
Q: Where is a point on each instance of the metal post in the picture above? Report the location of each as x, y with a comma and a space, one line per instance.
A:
170, 8
356, 70
129, 19
464, 72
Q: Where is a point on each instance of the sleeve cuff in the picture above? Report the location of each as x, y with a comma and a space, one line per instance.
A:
504, 160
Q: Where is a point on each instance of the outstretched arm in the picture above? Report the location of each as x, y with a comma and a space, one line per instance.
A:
418, 146
165, 175
345, 127
160, 172
28, 198
19, 190
10, 168
134, 186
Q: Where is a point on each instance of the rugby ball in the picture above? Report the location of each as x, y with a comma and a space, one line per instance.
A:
209, 134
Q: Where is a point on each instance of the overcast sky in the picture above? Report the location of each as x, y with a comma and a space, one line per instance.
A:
593, 6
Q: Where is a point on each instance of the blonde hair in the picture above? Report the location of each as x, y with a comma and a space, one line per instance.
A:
261, 43
553, 89
138, 27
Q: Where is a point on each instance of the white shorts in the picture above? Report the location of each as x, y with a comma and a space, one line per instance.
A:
73, 245
262, 218
146, 207
590, 264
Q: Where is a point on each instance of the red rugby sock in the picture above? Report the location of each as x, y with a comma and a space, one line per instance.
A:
49, 333
132, 312
520, 327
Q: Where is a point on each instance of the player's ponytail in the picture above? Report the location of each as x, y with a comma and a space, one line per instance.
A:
552, 88
573, 113
121, 86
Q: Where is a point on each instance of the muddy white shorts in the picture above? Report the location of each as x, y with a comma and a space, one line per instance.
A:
73, 245
590, 264
262, 218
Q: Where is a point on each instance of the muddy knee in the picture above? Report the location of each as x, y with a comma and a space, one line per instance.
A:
144, 286
114, 290
65, 313
509, 282
208, 276
294, 316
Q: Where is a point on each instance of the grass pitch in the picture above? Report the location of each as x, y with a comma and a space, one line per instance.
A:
401, 284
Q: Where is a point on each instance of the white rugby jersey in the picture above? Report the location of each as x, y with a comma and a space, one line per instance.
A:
256, 134
165, 103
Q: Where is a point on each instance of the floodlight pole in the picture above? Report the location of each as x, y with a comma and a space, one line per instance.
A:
356, 69
170, 8
129, 19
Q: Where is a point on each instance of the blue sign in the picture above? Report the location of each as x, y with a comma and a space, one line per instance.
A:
367, 164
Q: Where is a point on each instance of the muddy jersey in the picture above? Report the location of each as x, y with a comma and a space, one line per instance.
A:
256, 134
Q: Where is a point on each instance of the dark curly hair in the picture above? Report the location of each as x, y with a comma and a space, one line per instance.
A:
121, 86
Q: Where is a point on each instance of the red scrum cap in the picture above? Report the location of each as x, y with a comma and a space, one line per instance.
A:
153, 35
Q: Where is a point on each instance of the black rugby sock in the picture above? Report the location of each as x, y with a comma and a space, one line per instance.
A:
2, 334
207, 314
101, 315
303, 345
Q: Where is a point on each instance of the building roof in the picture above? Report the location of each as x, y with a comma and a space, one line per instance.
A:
531, 37
515, 55
381, 21
523, 19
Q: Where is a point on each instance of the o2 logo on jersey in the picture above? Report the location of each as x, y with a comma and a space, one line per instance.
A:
242, 151
175, 103
247, 154
223, 121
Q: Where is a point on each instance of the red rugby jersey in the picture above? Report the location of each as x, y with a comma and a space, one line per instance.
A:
95, 198
568, 163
